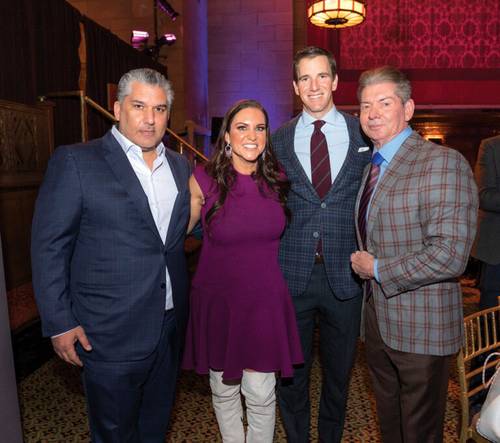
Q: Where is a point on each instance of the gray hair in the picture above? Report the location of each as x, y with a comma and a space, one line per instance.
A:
386, 74
147, 76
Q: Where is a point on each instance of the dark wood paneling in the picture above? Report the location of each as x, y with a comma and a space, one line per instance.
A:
26, 142
459, 129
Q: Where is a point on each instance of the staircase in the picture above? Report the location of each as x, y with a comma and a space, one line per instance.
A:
173, 140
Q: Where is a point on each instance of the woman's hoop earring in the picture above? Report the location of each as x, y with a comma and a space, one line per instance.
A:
228, 150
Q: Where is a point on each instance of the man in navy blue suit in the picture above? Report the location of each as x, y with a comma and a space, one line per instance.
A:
323, 154
109, 269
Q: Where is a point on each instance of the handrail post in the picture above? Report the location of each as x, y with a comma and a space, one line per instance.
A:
83, 116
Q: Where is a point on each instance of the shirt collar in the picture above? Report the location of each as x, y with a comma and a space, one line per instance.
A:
330, 117
388, 151
126, 144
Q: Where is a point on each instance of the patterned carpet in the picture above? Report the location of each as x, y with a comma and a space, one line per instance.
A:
22, 307
53, 406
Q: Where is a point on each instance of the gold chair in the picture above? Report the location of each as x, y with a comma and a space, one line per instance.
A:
481, 337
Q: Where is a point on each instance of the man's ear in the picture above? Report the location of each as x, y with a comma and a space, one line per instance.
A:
409, 109
335, 83
117, 109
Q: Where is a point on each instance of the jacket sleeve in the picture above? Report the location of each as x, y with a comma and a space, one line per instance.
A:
55, 230
488, 176
447, 222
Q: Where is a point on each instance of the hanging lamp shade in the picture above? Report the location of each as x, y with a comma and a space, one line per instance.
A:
336, 13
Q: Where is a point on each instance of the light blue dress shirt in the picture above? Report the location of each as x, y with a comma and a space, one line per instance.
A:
337, 138
388, 151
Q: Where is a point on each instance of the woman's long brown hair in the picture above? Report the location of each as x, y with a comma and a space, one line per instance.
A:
267, 174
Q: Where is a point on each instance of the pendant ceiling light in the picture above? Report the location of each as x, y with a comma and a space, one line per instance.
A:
336, 13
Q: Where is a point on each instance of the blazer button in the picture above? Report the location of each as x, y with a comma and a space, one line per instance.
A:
316, 234
323, 205
163, 285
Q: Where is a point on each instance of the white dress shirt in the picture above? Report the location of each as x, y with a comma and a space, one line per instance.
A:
159, 186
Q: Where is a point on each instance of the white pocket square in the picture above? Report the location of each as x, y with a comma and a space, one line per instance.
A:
363, 148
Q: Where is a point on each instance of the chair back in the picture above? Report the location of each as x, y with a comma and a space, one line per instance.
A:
481, 337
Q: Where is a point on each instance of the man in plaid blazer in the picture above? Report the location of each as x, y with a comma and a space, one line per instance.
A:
321, 282
420, 225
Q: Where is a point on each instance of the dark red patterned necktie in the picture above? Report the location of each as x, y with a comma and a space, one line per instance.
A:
321, 176
367, 193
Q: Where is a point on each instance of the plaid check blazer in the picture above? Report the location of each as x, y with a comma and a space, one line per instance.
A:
420, 226
332, 219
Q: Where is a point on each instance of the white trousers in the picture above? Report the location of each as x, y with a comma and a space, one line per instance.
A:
258, 388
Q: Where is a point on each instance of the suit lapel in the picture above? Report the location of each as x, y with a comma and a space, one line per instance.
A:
125, 175
366, 171
295, 171
496, 155
180, 187
352, 151
352, 155
175, 170
399, 166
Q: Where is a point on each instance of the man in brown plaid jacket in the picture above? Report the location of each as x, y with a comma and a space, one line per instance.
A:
414, 238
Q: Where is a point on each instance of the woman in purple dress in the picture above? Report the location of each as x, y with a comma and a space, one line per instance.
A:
242, 328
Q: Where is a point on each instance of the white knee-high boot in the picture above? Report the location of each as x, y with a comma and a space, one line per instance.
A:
226, 400
260, 398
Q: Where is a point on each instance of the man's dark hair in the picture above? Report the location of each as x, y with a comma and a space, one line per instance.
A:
311, 52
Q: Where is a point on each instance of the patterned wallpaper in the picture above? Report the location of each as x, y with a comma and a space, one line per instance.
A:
425, 34
450, 49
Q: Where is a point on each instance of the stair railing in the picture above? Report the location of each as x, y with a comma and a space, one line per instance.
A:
184, 147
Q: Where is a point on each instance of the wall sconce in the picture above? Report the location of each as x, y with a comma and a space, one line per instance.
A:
435, 138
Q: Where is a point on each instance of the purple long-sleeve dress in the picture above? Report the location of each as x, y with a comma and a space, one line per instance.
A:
241, 312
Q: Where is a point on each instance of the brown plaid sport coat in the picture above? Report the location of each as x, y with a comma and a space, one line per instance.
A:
420, 227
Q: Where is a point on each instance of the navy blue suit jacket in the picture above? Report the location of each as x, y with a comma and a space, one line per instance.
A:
331, 219
98, 259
